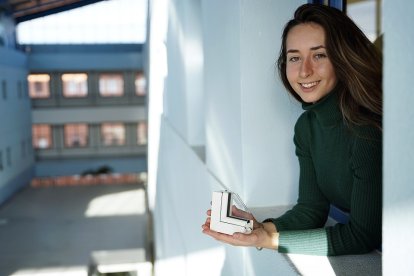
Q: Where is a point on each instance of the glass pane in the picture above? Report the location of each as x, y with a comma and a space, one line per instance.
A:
75, 85
140, 84
42, 136
366, 14
111, 85
142, 133
76, 135
113, 134
39, 86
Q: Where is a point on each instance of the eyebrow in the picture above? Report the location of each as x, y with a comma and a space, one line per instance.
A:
312, 49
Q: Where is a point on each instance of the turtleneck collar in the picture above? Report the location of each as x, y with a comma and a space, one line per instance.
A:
326, 109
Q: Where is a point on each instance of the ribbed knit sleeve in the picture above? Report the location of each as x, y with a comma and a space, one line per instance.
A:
337, 166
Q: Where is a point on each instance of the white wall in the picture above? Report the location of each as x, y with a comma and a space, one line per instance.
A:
398, 207
249, 116
222, 84
183, 103
270, 168
212, 82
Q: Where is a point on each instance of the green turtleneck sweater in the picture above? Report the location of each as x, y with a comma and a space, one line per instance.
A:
338, 166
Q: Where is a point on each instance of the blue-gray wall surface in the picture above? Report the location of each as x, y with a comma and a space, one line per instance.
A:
76, 167
16, 154
84, 57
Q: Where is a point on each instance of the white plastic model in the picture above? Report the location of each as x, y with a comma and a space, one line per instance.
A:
222, 219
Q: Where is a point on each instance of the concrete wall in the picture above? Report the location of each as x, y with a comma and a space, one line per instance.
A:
184, 104
84, 57
398, 208
223, 95
47, 168
7, 31
249, 116
17, 159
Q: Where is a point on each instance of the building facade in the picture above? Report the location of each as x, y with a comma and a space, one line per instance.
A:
69, 110
88, 108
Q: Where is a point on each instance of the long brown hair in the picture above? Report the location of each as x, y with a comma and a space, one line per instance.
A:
357, 63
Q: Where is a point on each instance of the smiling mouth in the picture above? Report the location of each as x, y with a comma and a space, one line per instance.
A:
309, 84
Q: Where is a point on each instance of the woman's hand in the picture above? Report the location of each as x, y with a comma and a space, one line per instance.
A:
263, 235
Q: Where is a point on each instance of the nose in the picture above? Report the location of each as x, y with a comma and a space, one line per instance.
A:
305, 68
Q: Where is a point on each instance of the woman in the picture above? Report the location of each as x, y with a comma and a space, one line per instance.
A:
329, 65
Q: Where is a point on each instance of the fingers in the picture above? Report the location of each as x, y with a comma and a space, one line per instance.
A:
246, 239
205, 227
240, 213
219, 236
237, 239
206, 223
257, 225
236, 211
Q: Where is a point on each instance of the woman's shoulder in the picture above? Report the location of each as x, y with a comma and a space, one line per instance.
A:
303, 121
302, 128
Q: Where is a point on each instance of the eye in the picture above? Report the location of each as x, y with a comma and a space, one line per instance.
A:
293, 59
320, 56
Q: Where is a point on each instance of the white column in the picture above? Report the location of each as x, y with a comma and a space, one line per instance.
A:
398, 205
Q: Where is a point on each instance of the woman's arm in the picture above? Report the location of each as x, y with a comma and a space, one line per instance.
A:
362, 233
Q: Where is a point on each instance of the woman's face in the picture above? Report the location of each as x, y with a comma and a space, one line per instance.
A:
308, 68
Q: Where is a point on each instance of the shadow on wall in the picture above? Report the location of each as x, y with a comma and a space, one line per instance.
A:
182, 199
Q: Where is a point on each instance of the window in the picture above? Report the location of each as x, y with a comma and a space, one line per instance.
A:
111, 85
140, 84
113, 134
39, 86
367, 15
75, 85
42, 136
142, 133
4, 89
76, 135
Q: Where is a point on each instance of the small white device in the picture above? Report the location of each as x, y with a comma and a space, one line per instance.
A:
222, 219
